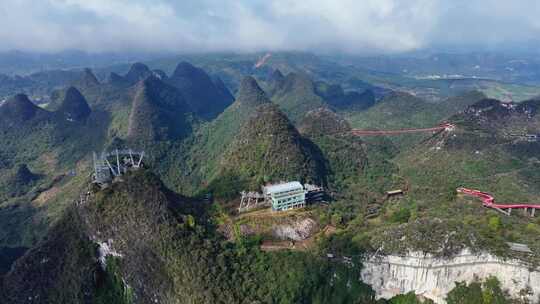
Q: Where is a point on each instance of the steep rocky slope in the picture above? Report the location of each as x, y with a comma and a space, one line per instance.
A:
19, 109
274, 82
338, 98
17, 181
269, 149
323, 121
137, 242
86, 80
51, 144
296, 96
158, 112
213, 138
435, 277
136, 73
60, 269
206, 97
357, 167
74, 106
29, 131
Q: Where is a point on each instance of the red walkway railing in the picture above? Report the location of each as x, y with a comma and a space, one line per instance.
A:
489, 201
445, 126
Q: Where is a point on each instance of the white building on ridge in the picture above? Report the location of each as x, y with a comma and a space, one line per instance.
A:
286, 196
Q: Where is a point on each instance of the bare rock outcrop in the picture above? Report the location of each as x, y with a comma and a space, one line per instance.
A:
434, 277
297, 231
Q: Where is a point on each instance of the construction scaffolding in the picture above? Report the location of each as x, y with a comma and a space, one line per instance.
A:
109, 165
314, 193
250, 200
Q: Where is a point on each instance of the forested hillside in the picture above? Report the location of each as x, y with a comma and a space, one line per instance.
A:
172, 232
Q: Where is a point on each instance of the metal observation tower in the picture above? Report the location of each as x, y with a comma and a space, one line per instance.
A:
109, 165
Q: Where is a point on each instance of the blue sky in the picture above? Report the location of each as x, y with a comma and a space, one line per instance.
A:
352, 26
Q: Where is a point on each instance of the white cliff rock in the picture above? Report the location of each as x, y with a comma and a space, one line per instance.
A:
434, 277
105, 250
296, 231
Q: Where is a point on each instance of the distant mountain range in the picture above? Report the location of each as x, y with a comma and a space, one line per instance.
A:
170, 231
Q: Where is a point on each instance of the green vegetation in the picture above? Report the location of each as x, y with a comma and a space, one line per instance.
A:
166, 255
268, 149
206, 97
8, 255
478, 155
306, 280
190, 165
17, 182
514, 92
338, 98
50, 145
296, 96
409, 298
485, 292
170, 246
158, 113
401, 216
110, 288
59, 270
402, 111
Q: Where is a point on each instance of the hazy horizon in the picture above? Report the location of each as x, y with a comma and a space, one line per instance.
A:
369, 27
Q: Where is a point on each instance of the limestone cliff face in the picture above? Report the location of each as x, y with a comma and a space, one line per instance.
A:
434, 277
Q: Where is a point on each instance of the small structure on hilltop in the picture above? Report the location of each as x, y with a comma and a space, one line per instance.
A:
394, 193
518, 247
109, 165
533, 137
372, 210
281, 197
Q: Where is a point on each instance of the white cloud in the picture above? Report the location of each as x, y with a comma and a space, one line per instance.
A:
213, 25
371, 24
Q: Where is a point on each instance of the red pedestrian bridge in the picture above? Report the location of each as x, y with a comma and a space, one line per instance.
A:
489, 201
441, 127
